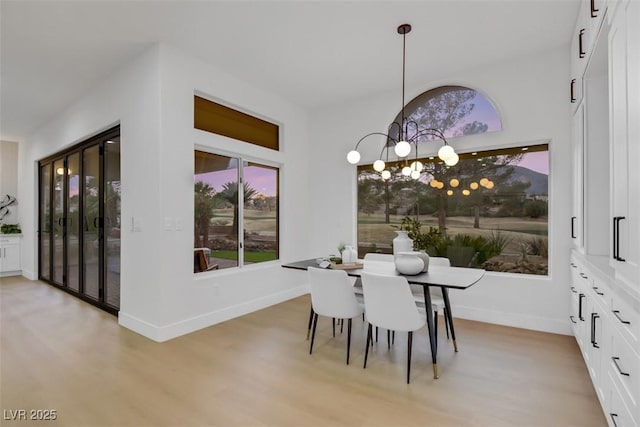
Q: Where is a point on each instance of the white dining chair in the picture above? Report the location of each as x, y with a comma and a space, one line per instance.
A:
389, 304
332, 296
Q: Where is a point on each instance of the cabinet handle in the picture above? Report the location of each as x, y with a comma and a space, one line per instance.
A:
584, 276
573, 289
594, 11
613, 418
573, 95
595, 289
580, 307
615, 362
618, 257
615, 238
594, 316
573, 234
581, 52
617, 314
571, 318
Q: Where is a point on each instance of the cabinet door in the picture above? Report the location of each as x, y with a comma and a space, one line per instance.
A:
577, 215
9, 255
624, 84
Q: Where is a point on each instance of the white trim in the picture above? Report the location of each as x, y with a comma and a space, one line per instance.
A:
182, 327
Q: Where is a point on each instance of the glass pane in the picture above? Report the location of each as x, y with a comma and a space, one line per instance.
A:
488, 211
260, 213
112, 222
58, 221
73, 222
216, 211
91, 242
45, 221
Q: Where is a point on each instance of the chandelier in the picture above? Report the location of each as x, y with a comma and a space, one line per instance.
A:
408, 133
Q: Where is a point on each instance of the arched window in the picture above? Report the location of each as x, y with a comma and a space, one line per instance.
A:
453, 110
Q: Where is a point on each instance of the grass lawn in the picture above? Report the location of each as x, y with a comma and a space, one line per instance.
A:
248, 256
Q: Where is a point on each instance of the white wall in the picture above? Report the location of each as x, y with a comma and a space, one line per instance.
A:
531, 95
152, 99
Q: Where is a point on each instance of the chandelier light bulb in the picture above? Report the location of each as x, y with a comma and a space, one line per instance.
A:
440, 185
454, 182
449, 192
406, 171
353, 157
452, 160
415, 174
484, 182
473, 185
386, 175
433, 183
417, 166
402, 149
466, 192
378, 165
490, 185
445, 152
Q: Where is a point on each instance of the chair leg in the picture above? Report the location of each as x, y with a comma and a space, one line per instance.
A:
435, 326
348, 339
409, 357
333, 321
446, 322
376, 334
388, 339
341, 325
393, 337
313, 333
366, 351
310, 321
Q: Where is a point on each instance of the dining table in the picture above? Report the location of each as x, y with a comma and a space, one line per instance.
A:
444, 277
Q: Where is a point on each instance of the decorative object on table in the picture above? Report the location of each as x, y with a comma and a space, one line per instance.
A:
402, 242
349, 255
425, 260
402, 135
348, 266
335, 259
4, 205
10, 229
409, 263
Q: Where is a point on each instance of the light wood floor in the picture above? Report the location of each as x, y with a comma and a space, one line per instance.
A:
60, 353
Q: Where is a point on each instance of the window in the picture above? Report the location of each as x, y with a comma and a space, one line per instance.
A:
454, 110
236, 211
488, 211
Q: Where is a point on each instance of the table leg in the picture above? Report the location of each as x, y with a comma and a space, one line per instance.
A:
430, 326
310, 320
447, 304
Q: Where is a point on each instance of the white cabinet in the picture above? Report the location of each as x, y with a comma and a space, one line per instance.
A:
9, 255
624, 105
577, 211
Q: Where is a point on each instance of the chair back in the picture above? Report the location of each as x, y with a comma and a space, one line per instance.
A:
332, 293
440, 261
389, 303
379, 263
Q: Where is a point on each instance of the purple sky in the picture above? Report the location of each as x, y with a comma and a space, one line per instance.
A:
537, 161
261, 179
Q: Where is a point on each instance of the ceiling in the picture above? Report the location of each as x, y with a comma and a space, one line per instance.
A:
313, 53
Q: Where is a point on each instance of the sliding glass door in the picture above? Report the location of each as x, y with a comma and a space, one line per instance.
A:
80, 220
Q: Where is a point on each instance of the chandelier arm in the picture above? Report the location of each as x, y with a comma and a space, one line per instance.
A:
432, 132
374, 133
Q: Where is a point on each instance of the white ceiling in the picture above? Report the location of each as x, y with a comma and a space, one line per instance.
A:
314, 53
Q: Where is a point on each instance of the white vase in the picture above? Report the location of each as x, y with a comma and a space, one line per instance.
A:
349, 255
425, 259
402, 242
409, 263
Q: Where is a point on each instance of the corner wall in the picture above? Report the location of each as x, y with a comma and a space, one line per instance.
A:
531, 95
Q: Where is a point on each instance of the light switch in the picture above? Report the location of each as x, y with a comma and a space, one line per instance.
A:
168, 223
179, 224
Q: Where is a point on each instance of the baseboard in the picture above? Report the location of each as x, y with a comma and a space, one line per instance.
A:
516, 320
28, 274
174, 330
